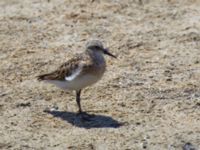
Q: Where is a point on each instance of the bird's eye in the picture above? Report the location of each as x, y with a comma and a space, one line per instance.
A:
96, 47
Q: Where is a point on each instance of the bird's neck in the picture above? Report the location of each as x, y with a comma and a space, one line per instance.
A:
97, 56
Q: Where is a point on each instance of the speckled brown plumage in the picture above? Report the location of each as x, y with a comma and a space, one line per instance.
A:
86, 60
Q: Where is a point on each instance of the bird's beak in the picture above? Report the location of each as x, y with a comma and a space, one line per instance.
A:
108, 53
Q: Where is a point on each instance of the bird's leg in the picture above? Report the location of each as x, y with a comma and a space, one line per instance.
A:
84, 116
78, 101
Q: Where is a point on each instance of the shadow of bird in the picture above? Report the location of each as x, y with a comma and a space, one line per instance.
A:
86, 120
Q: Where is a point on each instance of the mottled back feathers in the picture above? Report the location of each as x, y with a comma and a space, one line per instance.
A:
84, 61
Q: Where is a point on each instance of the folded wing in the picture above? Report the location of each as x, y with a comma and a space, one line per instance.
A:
67, 71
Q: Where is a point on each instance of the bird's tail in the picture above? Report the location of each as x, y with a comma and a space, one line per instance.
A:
48, 76
42, 77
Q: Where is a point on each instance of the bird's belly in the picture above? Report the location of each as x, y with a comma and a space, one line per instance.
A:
83, 81
77, 83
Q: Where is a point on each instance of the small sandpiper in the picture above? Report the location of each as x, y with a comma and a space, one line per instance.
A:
81, 71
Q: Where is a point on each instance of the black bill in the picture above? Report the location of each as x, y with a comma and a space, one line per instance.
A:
108, 53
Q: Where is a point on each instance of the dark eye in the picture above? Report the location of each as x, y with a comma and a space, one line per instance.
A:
96, 47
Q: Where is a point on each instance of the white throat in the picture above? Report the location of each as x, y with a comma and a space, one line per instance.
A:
98, 57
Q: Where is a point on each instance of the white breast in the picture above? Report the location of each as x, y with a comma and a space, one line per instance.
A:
77, 83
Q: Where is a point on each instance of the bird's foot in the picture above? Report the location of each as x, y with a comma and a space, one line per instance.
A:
84, 116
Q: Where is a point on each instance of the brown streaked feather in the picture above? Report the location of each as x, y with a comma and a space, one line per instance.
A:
67, 68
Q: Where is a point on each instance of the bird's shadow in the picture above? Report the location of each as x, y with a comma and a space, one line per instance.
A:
86, 120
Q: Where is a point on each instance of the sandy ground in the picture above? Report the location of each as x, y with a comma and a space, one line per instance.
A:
149, 98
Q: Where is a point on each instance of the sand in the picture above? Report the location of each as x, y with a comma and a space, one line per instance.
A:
149, 98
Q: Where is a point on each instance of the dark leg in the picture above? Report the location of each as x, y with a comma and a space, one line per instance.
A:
78, 100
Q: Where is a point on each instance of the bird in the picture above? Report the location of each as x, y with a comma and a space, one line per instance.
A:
80, 71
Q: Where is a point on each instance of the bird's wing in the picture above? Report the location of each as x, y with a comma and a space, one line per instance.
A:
76, 71
69, 70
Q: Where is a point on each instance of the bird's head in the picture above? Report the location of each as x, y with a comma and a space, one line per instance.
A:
96, 45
